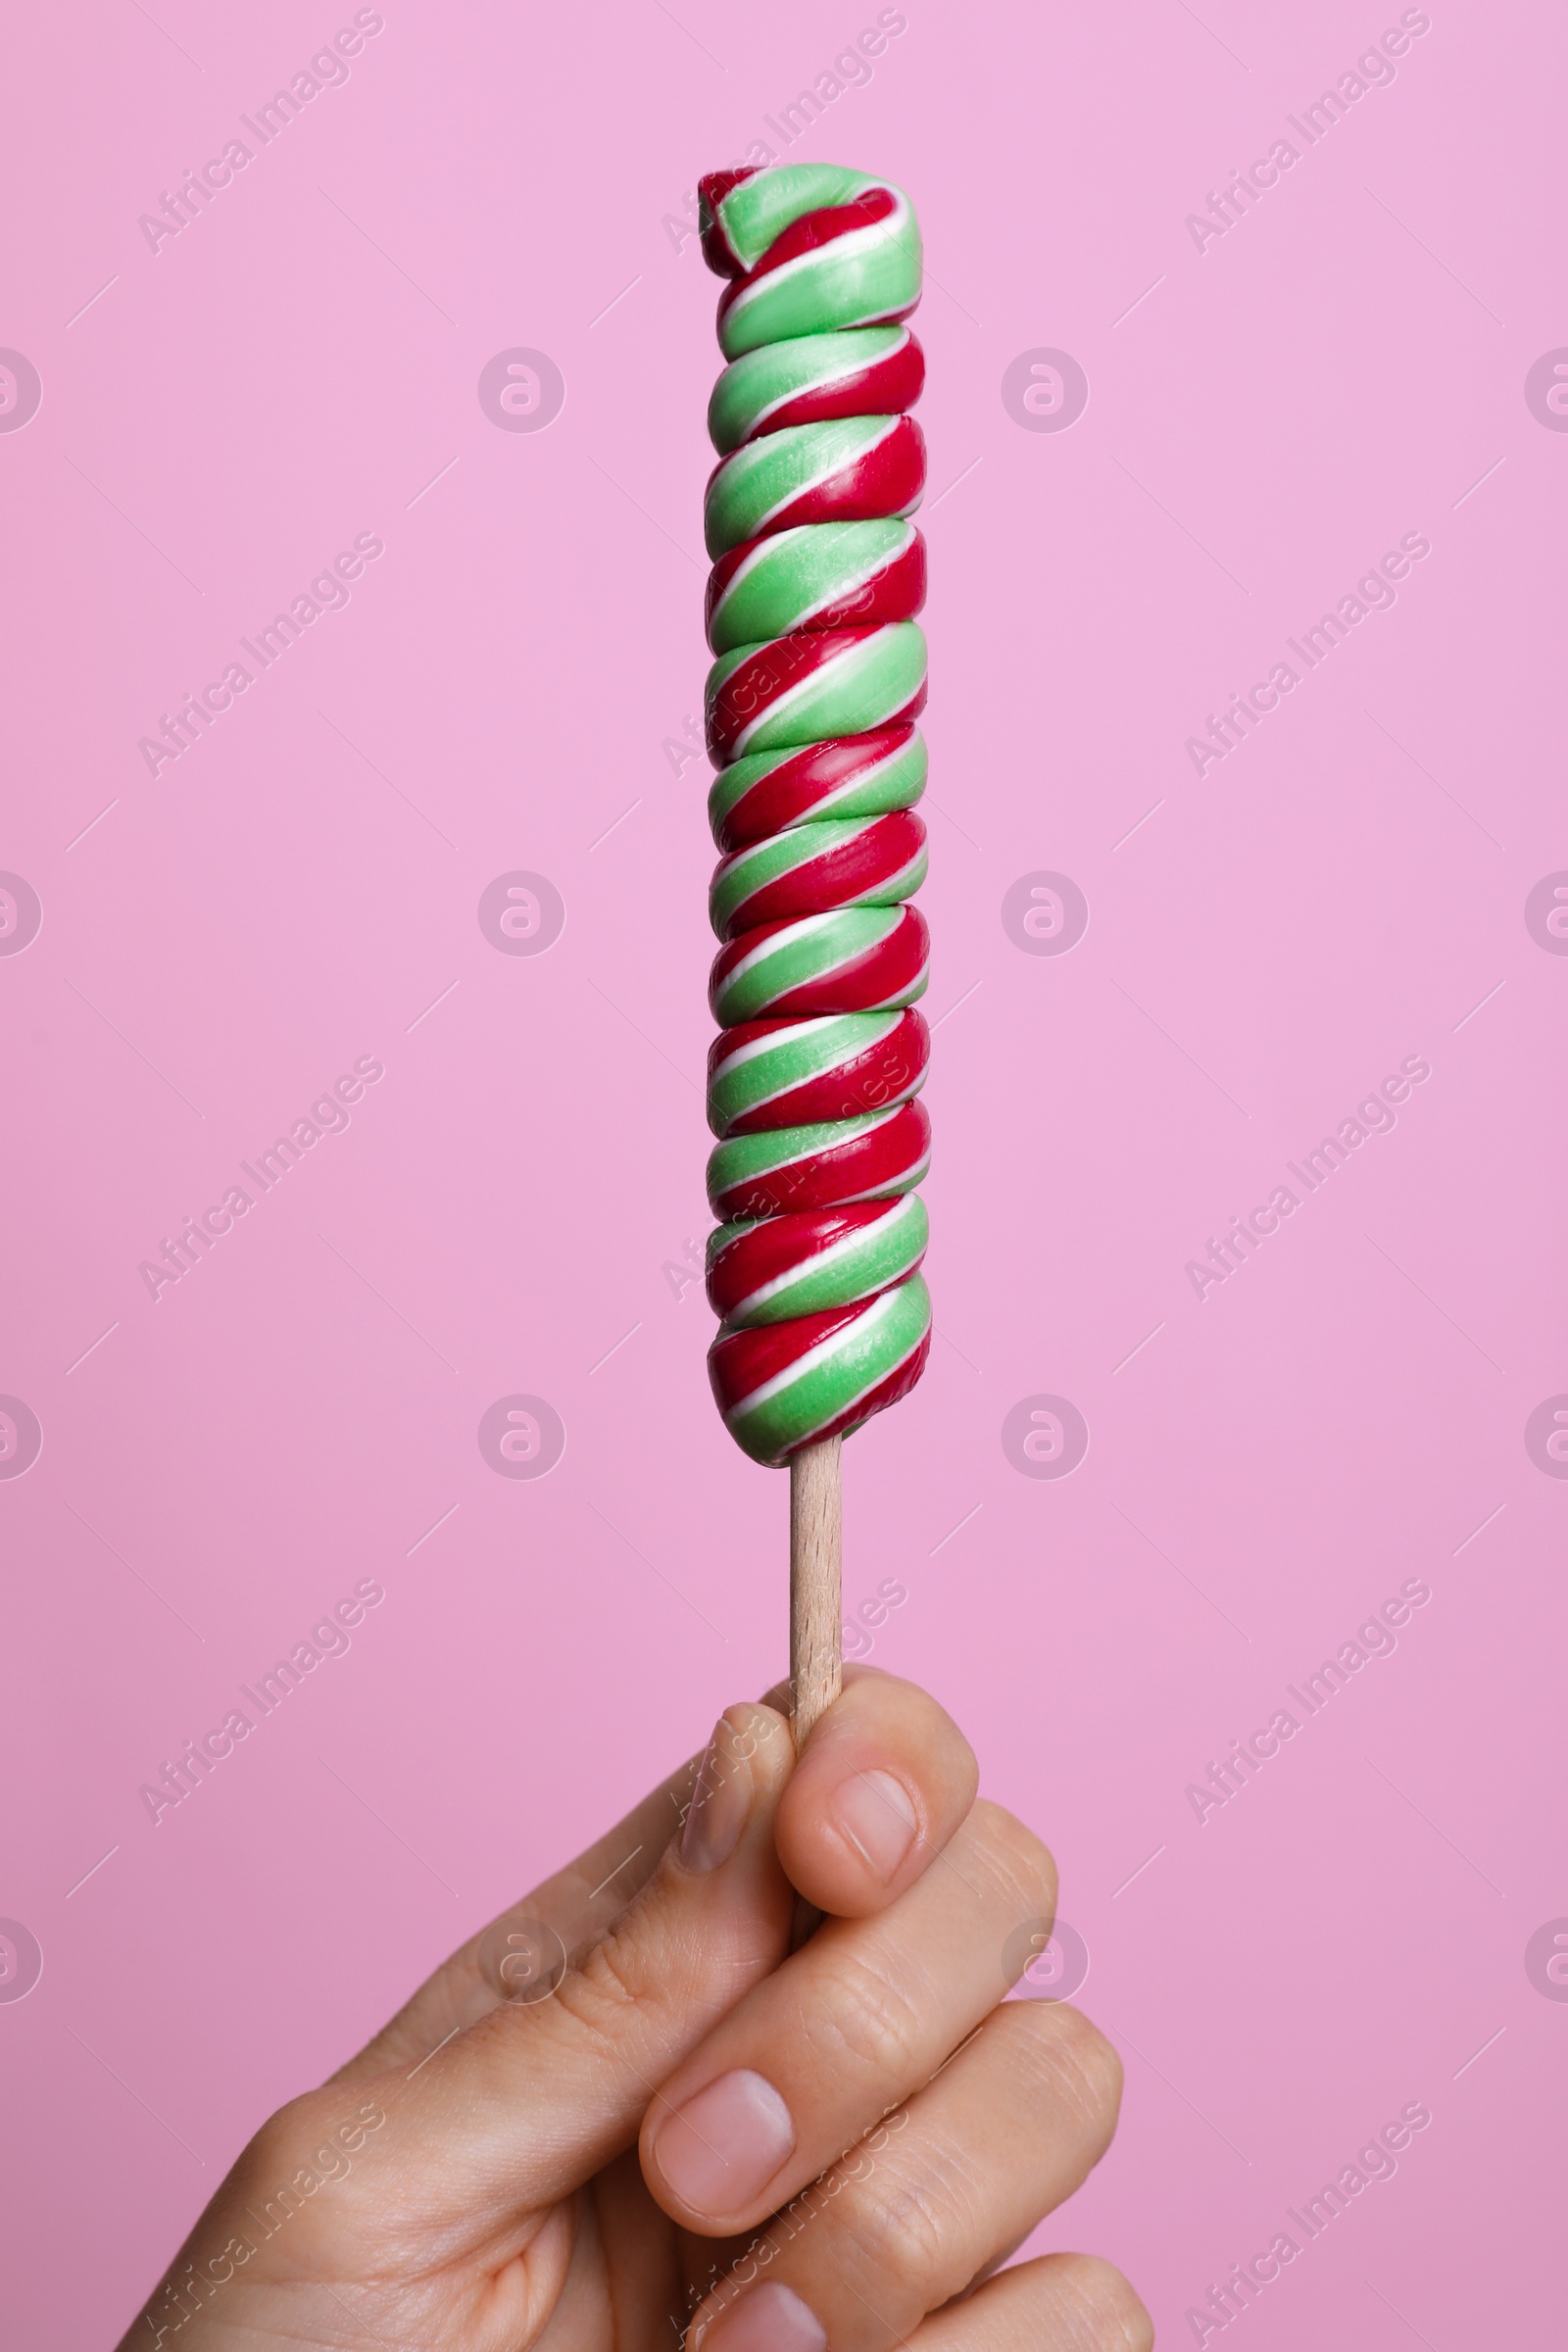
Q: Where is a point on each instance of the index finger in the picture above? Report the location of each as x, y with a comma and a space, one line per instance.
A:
562, 1914
885, 1780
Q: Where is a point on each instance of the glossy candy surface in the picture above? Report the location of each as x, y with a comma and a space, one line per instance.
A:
767, 1269
855, 776
870, 372
821, 682
821, 670
809, 249
849, 862
851, 471
788, 1384
817, 576
793, 1073
854, 958
784, 1170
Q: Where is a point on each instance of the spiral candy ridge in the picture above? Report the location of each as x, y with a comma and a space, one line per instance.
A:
819, 672
854, 861
870, 372
816, 576
850, 469
860, 775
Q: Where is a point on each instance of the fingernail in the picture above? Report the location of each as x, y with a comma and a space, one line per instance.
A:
720, 1802
874, 1813
722, 2149
770, 2318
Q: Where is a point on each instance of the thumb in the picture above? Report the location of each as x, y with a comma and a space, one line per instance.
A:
527, 2103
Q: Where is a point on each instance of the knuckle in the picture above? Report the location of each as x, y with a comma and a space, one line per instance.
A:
286, 2134
1024, 1867
864, 2020
898, 2229
275, 2146
605, 1986
1076, 2065
1108, 2316
312, 2144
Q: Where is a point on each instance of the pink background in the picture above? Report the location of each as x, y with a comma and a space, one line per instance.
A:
513, 1201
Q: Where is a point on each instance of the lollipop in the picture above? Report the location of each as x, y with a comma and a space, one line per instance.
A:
820, 673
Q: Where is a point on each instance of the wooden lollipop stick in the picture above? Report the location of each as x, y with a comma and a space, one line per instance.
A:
815, 1598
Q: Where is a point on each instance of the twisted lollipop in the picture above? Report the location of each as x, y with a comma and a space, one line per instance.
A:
819, 674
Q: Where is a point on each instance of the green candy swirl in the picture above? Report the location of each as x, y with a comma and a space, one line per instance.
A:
859, 278
761, 381
795, 1054
785, 581
829, 1380
867, 1259
760, 480
778, 855
869, 683
895, 782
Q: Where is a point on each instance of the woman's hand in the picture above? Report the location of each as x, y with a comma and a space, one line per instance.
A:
628, 2108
